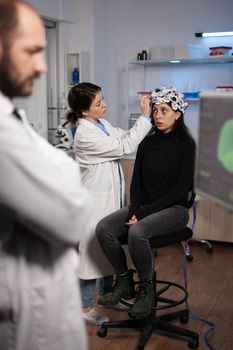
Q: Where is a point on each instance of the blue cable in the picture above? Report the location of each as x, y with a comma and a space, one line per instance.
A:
194, 315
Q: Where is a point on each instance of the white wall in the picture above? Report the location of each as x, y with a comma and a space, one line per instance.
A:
76, 24
49, 8
124, 27
113, 31
74, 30
79, 35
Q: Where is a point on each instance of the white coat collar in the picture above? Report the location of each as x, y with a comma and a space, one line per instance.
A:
6, 105
86, 123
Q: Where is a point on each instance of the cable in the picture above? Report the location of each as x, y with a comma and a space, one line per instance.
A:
194, 315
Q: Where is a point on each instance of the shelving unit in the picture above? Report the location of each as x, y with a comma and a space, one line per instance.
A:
170, 67
57, 113
79, 60
185, 61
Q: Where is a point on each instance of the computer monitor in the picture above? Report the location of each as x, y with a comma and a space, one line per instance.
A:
214, 161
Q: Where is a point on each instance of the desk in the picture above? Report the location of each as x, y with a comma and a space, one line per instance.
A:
213, 222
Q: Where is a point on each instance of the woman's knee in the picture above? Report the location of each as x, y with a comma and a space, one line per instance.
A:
135, 235
101, 229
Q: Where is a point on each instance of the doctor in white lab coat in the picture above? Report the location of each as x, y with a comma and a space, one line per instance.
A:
44, 207
44, 212
98, 148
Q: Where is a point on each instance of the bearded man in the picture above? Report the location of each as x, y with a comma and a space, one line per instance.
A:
44, 208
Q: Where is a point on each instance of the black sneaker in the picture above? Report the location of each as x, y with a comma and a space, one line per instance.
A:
123, 288
144, 302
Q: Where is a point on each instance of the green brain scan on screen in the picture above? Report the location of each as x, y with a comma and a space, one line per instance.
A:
225, 145
214, 161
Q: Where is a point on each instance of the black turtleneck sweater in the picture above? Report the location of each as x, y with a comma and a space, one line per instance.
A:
163, 174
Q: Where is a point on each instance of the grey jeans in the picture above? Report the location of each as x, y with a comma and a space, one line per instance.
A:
112, 233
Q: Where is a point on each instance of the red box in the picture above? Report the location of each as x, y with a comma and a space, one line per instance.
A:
220, 50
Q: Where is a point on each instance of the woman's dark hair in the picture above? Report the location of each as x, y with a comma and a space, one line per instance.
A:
80, 98
180, 130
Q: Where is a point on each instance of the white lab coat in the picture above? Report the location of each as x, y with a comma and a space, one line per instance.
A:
98, 155
44, 211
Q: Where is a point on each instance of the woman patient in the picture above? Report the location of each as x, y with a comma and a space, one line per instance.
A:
162, 178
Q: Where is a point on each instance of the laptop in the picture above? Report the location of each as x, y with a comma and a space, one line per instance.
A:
214, 158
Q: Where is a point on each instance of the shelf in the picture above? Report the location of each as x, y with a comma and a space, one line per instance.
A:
192, 99
189, 74
78, 60
185, 61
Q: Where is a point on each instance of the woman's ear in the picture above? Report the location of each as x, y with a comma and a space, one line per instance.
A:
178, 114
84, 113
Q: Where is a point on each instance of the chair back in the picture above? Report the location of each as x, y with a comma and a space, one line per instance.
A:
191, 198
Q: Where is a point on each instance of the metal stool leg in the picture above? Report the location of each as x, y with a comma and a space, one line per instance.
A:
209, 247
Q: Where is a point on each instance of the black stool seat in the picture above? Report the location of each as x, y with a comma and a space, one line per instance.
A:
171, 238
154, 322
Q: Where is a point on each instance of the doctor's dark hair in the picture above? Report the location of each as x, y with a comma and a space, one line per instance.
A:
80, 98
9, 20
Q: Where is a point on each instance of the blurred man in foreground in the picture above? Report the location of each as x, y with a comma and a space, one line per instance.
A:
44, 208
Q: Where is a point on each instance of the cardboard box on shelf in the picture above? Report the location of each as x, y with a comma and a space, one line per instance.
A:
224, 88
143, 93
187, 51
161, 52
220, 51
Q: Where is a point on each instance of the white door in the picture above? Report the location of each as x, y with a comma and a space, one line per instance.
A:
38, 105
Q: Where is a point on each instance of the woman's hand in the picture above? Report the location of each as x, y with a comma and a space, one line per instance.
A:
145, 105
132, 221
